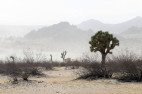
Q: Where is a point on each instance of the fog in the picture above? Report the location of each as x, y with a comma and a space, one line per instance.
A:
63, 36
54, 26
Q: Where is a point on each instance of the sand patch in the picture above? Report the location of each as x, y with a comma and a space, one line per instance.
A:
61, 81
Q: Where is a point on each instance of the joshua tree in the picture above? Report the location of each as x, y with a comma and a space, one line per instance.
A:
12, 57
104, 43
13, 70
51, 57
63, 54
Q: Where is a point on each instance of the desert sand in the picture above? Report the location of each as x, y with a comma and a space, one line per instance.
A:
61, 81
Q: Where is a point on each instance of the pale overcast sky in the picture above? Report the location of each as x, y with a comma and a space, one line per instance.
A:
46, 12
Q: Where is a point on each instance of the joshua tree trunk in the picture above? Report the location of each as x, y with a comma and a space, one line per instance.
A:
103, 65
51, 58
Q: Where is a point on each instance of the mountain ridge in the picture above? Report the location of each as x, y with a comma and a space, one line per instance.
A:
96, 25
61, 31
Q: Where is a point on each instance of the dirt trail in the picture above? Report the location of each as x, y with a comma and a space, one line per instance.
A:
60, 81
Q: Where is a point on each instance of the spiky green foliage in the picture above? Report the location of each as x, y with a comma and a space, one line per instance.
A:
103, 42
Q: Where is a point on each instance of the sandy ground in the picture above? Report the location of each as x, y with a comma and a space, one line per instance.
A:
61, 81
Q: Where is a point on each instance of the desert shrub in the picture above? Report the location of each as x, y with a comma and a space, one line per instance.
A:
23, 69
75, 64
2, 68
25, 76
35, 72
47, 65
128, 65
69, 65
12, 70
72, 64
31, 65
91, 71
91, 67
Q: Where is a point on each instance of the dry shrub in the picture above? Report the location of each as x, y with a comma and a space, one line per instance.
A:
91, 71
23, 68
128, 65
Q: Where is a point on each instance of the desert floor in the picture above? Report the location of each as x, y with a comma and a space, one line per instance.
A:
61, 81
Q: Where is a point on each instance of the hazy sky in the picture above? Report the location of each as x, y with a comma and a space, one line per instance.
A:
46, 12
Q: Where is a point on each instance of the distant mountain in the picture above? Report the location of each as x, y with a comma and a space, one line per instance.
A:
60, 32
133, 30
136, 22
13, 30
132, 33
91, 24
114, 28
61, 36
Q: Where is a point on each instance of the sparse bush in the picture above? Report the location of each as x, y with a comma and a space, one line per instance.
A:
23, 69
91, 71
25, 76
35, 71
128, 65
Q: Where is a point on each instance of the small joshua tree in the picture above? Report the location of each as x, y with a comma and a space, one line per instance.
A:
51, 58
104, 43
13, 59
13, 70
63, 54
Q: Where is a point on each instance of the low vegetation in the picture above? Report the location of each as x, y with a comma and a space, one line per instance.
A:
124, 67
23, 69
128, 66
